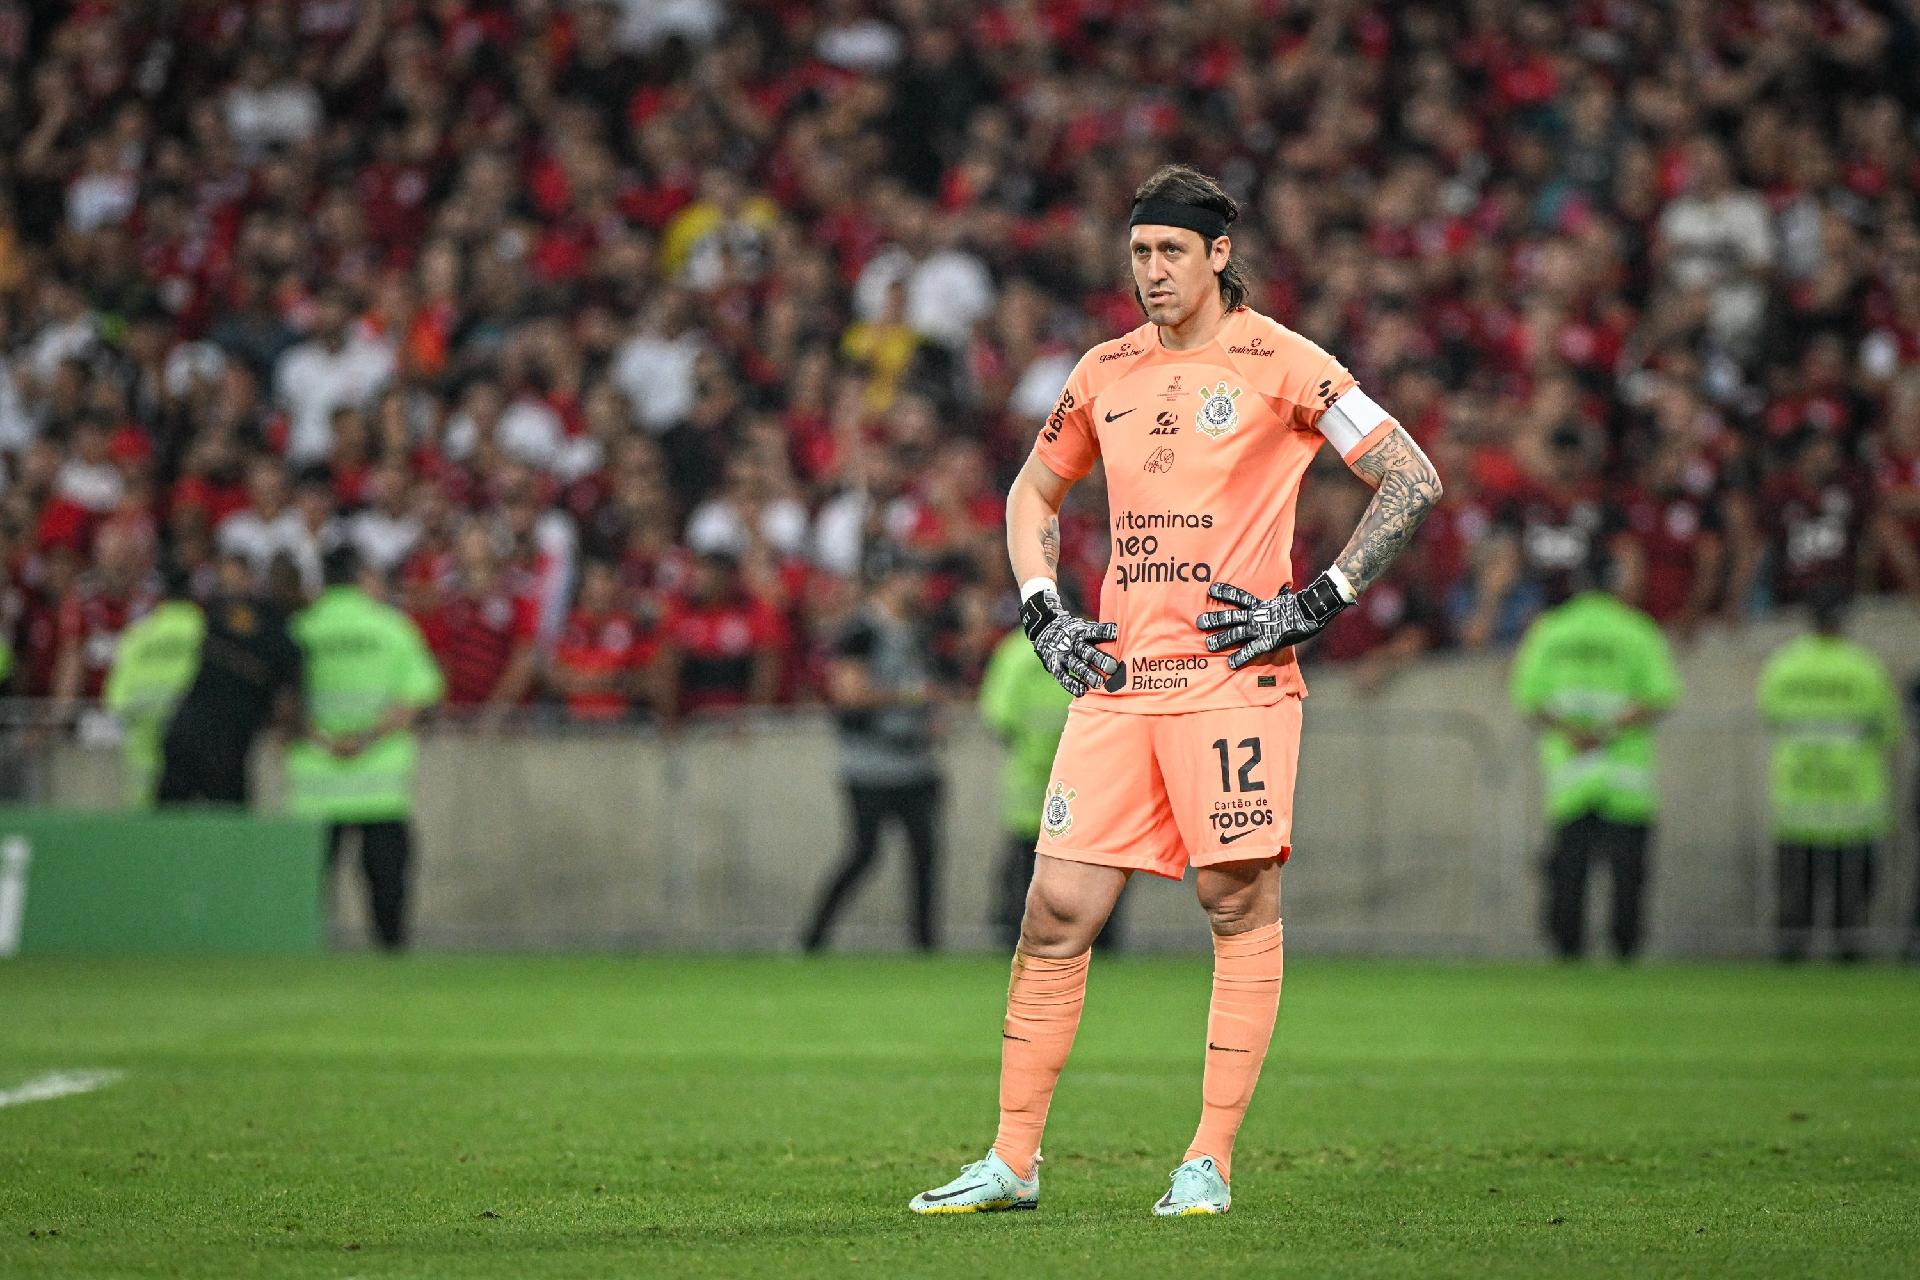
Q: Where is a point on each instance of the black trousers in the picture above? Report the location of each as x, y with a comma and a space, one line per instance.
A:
1010, 897
202, 771
1843, 876
1578, 847
386, 855
915, 806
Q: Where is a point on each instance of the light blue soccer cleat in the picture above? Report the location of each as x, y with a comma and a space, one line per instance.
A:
985, 1186
1197, 1188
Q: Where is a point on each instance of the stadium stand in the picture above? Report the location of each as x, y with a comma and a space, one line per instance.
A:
713, 295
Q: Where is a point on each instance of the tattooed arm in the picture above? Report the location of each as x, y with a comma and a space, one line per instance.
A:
1065, 641
1033, 521
1405, 488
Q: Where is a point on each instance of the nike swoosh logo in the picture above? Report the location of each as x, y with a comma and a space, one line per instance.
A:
1114, 416
1238, 835
1223, 1049
1021, 1039
932, 1197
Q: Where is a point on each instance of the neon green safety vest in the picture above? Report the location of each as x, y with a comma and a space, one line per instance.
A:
1835, 718
153, 666
1028, 709
363, 658
1591, 661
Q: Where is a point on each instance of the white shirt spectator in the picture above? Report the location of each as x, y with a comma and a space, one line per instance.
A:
557, 542
190, 363
947, 292
18, 427
1714, 243
1040, 385
56, 344
838, 531
279, 113
245, 533
312, 382
383, 541
656, 375
718, 525
531, 431
96, 486
645, 23
95, 200
865, 44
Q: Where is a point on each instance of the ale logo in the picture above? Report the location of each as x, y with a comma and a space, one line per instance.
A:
1218, 414
1057, 818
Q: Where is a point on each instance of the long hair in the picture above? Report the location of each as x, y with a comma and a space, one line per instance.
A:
1190, 186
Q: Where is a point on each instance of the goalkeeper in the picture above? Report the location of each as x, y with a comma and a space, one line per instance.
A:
1182, 746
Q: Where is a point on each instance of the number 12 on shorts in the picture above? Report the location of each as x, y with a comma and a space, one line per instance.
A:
1247, 781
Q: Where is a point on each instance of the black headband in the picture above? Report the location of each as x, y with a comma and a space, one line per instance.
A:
1155, 212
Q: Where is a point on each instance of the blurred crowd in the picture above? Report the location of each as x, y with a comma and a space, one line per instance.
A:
618, 335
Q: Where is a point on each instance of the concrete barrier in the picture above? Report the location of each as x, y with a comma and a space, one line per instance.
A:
1417, 826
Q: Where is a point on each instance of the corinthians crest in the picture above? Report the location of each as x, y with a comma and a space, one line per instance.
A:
1057, 818
1218, 414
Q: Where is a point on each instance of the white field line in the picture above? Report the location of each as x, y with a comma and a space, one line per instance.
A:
59, 1084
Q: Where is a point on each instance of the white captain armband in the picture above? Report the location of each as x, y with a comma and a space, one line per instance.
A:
1348, 420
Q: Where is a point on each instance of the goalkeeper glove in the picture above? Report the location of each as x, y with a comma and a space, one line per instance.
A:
1065, 642
1266, 625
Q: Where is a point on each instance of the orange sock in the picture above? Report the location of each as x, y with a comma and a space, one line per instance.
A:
1246, 1000
1043, 1012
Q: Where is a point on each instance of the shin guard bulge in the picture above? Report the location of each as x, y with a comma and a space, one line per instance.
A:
1246, 1000
1043, 1012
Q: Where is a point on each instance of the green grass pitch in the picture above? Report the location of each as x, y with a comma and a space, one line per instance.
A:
608, 1116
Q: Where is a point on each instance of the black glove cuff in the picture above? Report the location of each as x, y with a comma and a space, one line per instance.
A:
1321, 600
1035, 614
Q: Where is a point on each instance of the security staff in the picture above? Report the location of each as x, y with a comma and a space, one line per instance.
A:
1593, 673
249, 673
368, 677
1912, 953
882, 685
1027, 710
1835, 718
152, 667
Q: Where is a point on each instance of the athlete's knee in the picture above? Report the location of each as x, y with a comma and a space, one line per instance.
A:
1238, 901
1051, 928
1057, 923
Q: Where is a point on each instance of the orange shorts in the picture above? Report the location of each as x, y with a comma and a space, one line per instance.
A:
1159, 792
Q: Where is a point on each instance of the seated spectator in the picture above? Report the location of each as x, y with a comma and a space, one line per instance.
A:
270, 524
338, 366
387, 530
1896, 481
721, 644
94, 611
1818, 512
482, 633
604, 665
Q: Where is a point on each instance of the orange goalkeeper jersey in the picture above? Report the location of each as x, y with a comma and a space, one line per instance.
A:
1204, 453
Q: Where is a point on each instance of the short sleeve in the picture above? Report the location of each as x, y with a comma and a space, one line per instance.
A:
1067, 443
1660, 687
998, 686
421, 684
1328, 400
1527, 687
